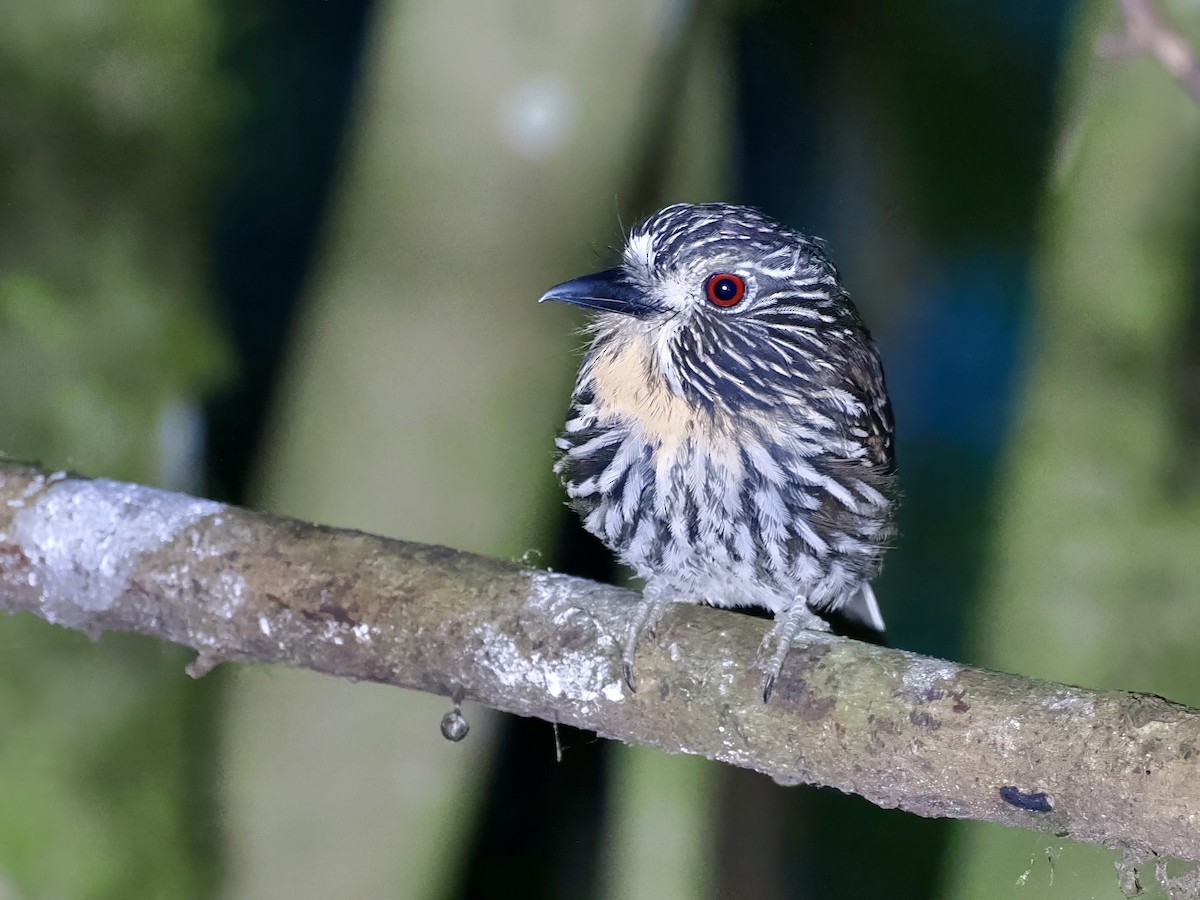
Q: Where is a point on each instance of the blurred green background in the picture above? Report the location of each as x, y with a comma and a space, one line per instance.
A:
286, 254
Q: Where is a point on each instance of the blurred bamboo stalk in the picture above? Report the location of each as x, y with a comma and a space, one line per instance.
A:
1094, 575
493, 147
928, 736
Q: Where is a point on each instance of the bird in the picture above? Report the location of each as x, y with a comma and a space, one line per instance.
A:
730, 436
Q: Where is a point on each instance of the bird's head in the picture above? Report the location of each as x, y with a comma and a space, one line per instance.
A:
737, 307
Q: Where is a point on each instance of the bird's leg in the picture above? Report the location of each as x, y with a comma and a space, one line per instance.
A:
788, 623
655, 601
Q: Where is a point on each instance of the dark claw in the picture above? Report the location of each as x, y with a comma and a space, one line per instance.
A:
629, 676
768, 686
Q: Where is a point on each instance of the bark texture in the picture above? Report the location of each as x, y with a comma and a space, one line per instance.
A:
935, 738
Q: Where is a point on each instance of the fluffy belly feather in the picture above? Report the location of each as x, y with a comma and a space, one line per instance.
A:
712, 525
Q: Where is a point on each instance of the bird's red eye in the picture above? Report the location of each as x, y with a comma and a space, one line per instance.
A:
725, 289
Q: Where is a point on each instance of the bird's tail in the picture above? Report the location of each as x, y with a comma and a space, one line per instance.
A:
862, 610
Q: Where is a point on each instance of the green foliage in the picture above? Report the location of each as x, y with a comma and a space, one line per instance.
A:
101, 797
109, 117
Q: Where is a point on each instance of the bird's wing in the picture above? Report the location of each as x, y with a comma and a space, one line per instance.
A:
867, 381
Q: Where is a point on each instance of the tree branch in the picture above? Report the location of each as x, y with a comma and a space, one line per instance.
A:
1146, 31
932, 737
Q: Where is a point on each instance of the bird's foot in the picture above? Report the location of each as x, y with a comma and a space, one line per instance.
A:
778, 641
644, 622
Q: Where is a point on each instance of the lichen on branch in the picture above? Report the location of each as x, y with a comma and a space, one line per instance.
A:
932, 737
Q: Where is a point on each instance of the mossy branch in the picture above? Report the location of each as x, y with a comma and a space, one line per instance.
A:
932, 737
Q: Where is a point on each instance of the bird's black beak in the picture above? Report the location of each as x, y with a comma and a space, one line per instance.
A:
607, 291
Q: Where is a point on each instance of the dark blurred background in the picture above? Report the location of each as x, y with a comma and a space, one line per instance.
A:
285, 254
